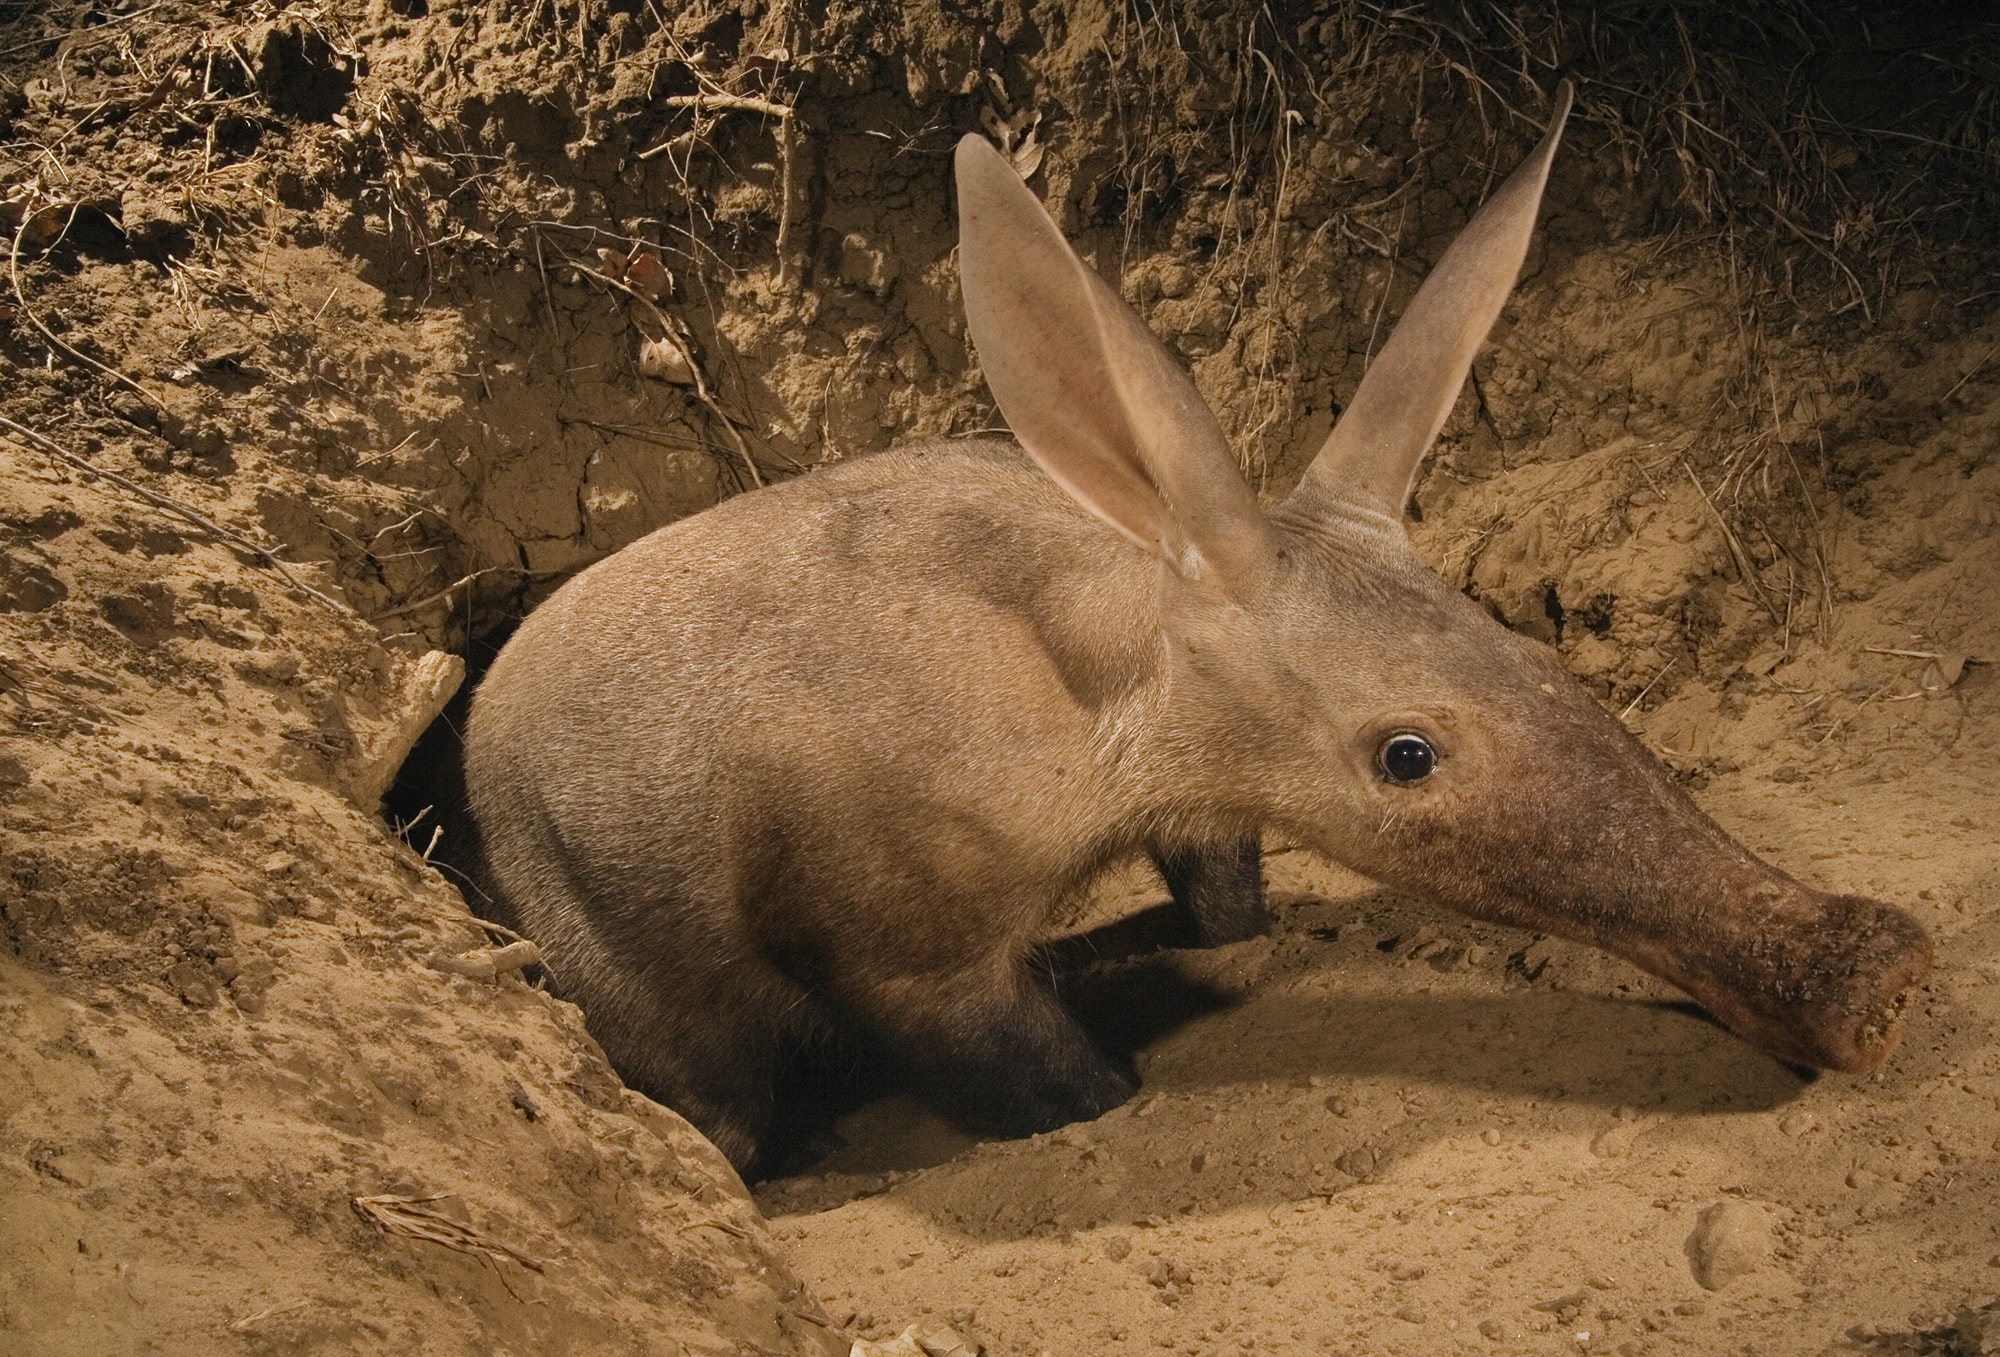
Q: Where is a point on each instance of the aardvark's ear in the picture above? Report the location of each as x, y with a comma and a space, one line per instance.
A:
1092, 395
1370, 459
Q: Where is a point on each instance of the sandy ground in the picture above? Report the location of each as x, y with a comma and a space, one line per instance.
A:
1410, 1134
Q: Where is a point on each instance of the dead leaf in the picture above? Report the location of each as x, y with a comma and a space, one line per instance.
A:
666, 359
915, 1342
1013, 130
1764, 661
648, 277
1027, 157
45, 225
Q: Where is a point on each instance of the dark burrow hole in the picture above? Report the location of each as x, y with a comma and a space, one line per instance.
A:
426, 806
302, 76
1597, 614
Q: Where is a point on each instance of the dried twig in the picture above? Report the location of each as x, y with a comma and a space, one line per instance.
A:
265, 556
94, 31
718, 101
499, 931
1859, 707
1970, 373
248, 1322
1815, 241
11, 682
441, 596
488, 964
1821, 546
701, 387
734, 102
1648, 688
21, 300
410, 1217
1744, 566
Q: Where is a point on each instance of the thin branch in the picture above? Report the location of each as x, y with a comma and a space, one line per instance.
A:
21, 299
701, 387
733, 102
719, 102
413, 1217
1744, 566
1971, 372
265, 556
441, 596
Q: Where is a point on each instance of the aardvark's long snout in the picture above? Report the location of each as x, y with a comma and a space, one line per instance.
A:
1815, 979
1621, 858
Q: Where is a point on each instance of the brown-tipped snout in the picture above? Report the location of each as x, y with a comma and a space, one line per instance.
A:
1823, 983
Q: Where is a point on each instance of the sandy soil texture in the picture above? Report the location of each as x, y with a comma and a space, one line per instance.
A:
335, 335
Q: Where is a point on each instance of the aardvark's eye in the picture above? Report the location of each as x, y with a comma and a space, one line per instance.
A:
1406, 757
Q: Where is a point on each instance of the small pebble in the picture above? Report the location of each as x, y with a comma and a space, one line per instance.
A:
1490, 1135
1730, 1238
1412, 1314
1356, 1163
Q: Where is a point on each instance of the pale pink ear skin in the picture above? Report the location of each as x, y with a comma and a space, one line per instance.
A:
1091, 394
1370, 459
1098, 401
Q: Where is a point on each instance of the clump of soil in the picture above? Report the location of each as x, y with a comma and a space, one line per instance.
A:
336, 335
